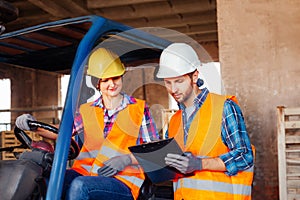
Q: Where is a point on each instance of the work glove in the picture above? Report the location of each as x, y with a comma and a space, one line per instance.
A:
22, 122
186, 163
114, 165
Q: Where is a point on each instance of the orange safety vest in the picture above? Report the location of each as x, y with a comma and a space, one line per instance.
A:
96, 149
204, 139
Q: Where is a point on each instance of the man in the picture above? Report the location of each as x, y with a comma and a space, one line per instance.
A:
210, 128
105, 169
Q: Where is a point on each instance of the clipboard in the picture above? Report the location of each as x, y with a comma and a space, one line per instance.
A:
151, 156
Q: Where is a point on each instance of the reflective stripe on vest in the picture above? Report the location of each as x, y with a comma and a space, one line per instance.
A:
204, 139
106, 152
134, 180
86, 167
225, 187
218, 186
97, 149
91, 154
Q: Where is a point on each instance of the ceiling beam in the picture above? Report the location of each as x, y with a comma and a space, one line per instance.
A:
197, 28
52, 8
114, 3
170, 21
155, 9
23, 22
74, 7
179, 30
198, 36
205, 37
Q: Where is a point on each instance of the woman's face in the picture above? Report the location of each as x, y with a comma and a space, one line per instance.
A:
111, 87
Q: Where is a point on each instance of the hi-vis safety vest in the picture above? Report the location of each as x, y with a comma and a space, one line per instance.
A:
204, 139
97, 149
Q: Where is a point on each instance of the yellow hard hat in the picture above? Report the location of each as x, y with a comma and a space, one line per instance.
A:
103, 63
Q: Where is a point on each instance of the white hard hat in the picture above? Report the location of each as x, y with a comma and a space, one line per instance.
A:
176, 60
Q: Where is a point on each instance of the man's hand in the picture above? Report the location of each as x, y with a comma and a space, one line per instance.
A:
186, 163
114, 165
22, 121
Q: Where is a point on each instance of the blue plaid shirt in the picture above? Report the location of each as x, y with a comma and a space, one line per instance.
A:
234, 134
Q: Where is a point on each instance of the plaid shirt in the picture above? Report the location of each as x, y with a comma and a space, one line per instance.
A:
148, 131
234, 134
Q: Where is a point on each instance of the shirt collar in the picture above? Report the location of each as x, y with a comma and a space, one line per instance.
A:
126, 100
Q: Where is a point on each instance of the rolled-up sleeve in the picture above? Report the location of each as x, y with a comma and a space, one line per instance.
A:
78, 124
236, 138
148, 131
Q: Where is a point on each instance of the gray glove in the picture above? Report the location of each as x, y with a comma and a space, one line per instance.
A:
22, 121
114, 165
186, 163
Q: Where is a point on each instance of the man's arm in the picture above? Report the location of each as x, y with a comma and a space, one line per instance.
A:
236, 138
213, 164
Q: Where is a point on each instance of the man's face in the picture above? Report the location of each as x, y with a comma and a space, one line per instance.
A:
111, 86
180, 88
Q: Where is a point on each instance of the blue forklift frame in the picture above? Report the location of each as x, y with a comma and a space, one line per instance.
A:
99, 26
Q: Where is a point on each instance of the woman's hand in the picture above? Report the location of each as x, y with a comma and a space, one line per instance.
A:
114, 165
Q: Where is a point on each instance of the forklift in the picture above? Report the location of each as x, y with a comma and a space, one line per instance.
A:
64, 45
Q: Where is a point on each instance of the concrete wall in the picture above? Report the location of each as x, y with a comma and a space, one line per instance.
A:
32, 89
141, 84
259, 51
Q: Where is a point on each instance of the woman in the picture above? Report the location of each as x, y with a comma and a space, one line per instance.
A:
105, 169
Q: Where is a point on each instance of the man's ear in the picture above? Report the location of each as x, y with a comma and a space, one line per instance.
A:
195, 76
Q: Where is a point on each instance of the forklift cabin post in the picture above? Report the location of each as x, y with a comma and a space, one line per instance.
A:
98, 28
44, 55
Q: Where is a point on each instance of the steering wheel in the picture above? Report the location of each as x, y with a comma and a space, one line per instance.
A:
28, 143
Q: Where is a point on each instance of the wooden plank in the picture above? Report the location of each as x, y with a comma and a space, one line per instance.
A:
292, 151
11, 51
25, 44
173, 21
34, 109
293, 168
292, 125
74, 7
103, 4
8, 139
158, 10
293, 183
292, 111
293, 197
53, 8
292, 139
30, 20
281, 154
293, 175
288, 152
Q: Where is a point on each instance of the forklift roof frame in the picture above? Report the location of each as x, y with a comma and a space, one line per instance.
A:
99, 27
